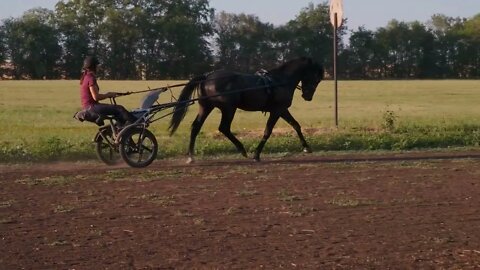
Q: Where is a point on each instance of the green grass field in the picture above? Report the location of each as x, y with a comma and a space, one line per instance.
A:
37, 121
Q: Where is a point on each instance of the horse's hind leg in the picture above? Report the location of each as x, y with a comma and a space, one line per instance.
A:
197, 124
296, 126
225, 128
272, 120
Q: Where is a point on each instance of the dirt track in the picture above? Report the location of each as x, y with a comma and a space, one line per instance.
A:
407, 211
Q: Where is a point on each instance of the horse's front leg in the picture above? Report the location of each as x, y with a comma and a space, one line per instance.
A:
272, 120
196, 126
296, 126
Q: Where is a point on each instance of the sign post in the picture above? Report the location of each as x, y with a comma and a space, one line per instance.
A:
336, 18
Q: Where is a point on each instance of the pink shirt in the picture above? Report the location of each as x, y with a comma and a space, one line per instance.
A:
85, 95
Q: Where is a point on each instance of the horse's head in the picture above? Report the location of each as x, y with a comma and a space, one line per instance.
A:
310, 78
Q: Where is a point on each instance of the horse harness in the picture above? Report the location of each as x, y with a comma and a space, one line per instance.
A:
264, 79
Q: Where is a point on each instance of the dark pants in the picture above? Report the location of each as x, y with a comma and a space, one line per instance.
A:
117, 111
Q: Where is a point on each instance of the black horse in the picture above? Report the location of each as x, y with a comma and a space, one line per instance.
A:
271, 92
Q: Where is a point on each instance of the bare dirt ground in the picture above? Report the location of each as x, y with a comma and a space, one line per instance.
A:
402, 211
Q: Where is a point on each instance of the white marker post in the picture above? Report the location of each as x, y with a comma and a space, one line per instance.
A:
336, 18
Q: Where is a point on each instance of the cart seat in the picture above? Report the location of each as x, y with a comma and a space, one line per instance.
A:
138, 113
149, 99
146, 103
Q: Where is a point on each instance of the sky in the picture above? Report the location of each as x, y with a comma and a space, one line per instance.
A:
371, 14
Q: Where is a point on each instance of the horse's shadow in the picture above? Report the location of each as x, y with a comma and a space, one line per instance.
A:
297, 160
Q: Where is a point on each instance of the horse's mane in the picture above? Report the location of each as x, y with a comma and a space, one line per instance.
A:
290, 65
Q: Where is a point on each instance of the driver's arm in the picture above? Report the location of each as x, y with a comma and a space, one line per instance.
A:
97, 96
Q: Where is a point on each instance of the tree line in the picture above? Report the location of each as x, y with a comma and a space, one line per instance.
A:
176, 39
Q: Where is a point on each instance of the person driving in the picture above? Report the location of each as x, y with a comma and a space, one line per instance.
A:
90, 94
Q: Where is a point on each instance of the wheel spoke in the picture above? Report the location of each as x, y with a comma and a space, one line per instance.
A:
139, 147
105, 149
111, 153
150, 150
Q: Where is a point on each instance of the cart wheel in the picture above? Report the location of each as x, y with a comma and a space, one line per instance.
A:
105, 147
138, 147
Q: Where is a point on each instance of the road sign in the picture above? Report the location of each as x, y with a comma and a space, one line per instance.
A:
336, 12
336, 18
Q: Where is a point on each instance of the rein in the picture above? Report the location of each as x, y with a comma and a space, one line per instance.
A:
169, 87
186, 103
162, 89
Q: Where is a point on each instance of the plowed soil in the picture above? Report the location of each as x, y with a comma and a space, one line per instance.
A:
374, 211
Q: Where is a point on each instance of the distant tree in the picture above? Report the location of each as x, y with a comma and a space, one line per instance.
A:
167, 39
3, 52
422, 52
120, 33
226, 40
77, 22
394, 48
311, 34
358, 58
456, 45
441, 27
243, 42
187, 28
151, 55
404, 50
3, 45
171, 37
469, 47
32, 44
137, 38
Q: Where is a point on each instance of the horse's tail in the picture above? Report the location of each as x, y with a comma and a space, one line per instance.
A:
180, 110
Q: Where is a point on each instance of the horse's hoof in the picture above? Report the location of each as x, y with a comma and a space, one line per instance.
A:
256, 159
190, 160
307, 150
